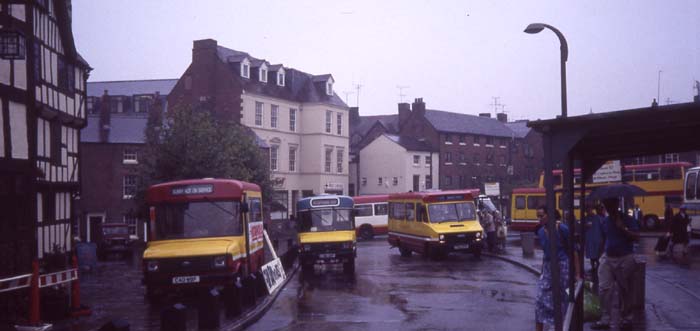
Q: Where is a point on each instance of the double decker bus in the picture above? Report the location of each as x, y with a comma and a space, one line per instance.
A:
326, 232
435, 223
663, 183
204, 233
371, 216
691, 199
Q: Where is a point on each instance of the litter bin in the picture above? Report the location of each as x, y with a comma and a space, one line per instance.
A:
638, 283
527, 241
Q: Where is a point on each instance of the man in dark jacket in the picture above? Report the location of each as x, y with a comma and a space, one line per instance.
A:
678, 230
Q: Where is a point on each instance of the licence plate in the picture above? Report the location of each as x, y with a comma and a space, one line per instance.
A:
185, 279
327, 255
465, 246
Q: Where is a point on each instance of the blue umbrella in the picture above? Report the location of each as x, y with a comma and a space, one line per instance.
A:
615, 191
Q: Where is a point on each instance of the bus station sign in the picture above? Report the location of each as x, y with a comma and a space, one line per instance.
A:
611, 171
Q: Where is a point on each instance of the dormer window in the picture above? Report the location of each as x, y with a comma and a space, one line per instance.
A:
329, 87
245, 68
280, 77
262, 73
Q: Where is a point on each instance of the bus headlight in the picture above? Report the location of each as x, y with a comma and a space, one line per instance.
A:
152, 266
478, 234
220, 261
441, 237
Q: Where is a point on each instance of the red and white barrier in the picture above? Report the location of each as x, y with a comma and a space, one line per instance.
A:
56, 278
15, 283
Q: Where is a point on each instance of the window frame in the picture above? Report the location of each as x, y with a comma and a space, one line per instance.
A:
274, 115
259, 110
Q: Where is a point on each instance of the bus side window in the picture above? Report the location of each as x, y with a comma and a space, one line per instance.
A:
422, 216
255, 210
410, 212
519, 202
363, 210
380, 209
690, 186
532, 202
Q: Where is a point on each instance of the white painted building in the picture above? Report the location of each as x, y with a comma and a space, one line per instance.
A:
393, 164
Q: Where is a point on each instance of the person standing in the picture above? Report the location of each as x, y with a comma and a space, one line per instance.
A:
679, 232
490, 228
544, 299
594, 239
616, 265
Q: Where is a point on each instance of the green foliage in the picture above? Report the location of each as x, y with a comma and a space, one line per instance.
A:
190, 143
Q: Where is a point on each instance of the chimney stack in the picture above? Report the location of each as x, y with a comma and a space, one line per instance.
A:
502, 117
419, 106
354, 115
105, 117
486, 115
404, 113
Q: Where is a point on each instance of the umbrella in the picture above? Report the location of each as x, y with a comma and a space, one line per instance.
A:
615, 191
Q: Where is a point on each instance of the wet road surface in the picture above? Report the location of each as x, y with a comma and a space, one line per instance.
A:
389, 292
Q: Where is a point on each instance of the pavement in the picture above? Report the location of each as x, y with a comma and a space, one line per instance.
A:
672, 290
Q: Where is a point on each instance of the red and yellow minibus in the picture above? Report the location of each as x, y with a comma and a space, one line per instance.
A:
203, 233
371, 215
435, 223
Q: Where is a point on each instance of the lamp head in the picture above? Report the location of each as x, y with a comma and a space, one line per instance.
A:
534, 28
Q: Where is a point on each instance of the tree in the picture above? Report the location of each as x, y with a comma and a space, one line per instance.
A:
190, 143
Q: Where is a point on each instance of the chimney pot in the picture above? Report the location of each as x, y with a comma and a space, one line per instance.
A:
486, 115
502, 117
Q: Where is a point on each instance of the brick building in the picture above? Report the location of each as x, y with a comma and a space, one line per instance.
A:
298, 115
473, 150
111, 144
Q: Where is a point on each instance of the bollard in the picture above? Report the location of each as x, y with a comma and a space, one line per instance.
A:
208, 310
638, 284
174, 318
76, 308
34, 295
233, 299
527, 242
118, 324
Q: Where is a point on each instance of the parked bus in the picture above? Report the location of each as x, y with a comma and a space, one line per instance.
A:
691, 199
434, 223
663, 183
326, 231
371, 215
203, 233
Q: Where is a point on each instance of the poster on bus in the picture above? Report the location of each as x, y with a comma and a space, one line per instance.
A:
255, 233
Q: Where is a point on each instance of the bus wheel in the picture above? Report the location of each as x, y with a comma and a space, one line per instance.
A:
152, 296
477, 253
650, 221
366, 232
349, 267
405, 252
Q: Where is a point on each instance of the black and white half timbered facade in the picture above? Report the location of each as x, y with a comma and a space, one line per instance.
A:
42, 109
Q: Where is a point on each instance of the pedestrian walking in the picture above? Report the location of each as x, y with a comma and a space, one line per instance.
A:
594, 239
500, 230
678, 231
616, 266
544, 298
489, 226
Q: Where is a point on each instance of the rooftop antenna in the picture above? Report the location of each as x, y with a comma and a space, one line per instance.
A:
668, 101
347, 94
357, 88
658, 86
401, 95
496, 104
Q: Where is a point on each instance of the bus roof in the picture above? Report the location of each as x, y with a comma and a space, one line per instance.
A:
629, 167
371, 198
199, 189
320, 201
437, 195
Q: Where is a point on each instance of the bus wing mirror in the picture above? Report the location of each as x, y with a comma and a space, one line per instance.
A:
244, 207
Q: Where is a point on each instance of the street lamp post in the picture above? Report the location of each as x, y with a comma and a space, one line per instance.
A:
548, 178
536, 28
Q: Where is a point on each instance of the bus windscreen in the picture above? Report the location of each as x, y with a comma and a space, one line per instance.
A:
451, 212
198, 220
321, 220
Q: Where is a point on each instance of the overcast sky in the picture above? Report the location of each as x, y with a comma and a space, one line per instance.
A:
456, 55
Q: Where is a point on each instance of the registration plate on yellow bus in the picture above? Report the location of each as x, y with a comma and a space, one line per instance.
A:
185, 279
327, 255
464, 246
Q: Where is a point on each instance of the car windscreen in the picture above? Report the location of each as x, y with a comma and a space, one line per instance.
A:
451, 212
323, 220
198, 219
115, 230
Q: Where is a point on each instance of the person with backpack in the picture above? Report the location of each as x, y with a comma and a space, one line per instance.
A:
678, 231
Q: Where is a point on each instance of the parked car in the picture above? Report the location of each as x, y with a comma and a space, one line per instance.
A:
114, 239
